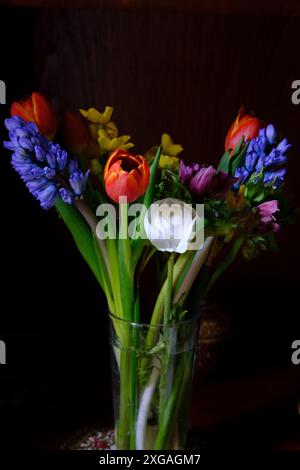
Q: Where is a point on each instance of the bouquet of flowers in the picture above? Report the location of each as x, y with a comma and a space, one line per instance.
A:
130, 215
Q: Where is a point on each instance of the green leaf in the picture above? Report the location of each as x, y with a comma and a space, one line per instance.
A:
238, 148
82, 235
124, 263
224, 162
149, 196
138, 244
237, 159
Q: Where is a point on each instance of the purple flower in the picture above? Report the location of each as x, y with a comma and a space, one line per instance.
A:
205, 181
202, 181
265, 212
78, 181
264, 160
67, 196
46, 169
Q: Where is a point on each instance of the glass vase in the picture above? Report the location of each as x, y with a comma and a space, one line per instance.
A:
152, 369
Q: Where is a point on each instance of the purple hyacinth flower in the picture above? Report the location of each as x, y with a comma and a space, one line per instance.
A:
61, 159
276, 158
271, 134
40, 153
275, 177
72, 165
78, 181
47, 196
283, 146
241, 174
67, 196
50, 173
250, 161
264, 159
37, 185
43, 165
13, 123
26, 144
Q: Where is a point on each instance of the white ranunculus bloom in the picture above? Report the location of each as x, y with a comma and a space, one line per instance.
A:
170, 224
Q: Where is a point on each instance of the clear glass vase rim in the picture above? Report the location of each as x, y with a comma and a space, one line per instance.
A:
195, 318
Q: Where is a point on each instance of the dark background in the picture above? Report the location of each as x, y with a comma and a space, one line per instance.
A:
180, 70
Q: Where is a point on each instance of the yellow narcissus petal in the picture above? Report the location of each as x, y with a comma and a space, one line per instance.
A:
128, 146
106, 115
168, 162
111, 130
168, 147
94, 116
108, 145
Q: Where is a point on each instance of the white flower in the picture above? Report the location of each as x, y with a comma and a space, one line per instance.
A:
170, 225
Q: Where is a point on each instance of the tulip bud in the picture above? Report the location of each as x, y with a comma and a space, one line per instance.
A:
36, 108
205, 181
126, 175
169, 225
76, 133
245, 126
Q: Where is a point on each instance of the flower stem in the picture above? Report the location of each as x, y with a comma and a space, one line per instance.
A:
123, 432
197, 263
167, 312
167, 424
134, 372
159, 305
144, 407
169, 286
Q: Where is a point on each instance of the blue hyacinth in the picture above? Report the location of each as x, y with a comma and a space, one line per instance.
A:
46, 169
264, 160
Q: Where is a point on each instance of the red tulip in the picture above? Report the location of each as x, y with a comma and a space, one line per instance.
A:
126, 175
76, 133
36, 108
246, 126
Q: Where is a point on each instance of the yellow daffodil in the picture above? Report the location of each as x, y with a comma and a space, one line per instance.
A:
111, 130
94, 116
104, 131
168, 147
168, 162
108, 145
169, 154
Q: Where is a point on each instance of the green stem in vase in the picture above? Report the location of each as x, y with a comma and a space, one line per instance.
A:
166, 321
168, 422
126, 302
134, 372
159, 305
125, 267
123, 428
169, 287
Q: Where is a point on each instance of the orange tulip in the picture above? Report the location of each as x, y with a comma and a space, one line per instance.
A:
245, 125
76, 133
126, 175
37, 109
